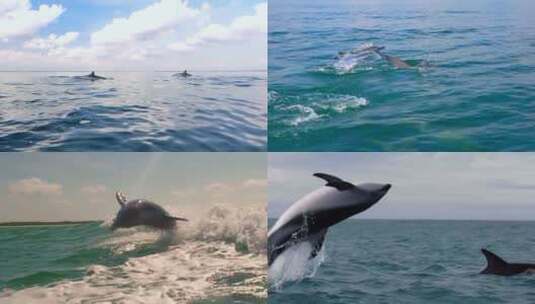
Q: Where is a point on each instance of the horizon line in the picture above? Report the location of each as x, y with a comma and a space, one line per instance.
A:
80, 70
430, 219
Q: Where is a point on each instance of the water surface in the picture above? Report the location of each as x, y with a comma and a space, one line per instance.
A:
476, 95
133, 111
388, 261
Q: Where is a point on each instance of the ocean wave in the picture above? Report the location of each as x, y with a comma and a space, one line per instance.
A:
245, 229
186, 272
220, 252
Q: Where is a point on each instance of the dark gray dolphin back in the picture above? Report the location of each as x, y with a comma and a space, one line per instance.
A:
498, 266
495, 264
142, 212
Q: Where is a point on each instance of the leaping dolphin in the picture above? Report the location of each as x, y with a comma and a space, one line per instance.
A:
498, 266
308, 219
141, 212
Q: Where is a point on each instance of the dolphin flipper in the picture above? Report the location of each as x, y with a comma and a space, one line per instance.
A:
121, 198
178, 218
317, 242
495, 264
335, 182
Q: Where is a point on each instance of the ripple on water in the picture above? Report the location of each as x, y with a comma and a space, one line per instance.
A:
131, 111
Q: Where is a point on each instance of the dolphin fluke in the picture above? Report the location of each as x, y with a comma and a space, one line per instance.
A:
495, 264
121, 198
335, 182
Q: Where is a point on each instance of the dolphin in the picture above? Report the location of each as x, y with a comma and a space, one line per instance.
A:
308, 219
398, 62
498, 266
183, 74
395, 61
140, 212
360, 52
91, 76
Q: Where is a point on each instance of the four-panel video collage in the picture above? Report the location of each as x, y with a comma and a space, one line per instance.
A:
267, 151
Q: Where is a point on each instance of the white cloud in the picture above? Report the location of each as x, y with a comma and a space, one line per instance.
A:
94, 189
144, 40
34, 185
146, 23
53, 41
241, 28
17, 18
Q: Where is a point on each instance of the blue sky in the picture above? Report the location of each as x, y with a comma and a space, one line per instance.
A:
482, 186
81, 186
133, 35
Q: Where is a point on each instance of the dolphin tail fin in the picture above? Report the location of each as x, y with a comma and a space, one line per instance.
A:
121, 198
494, 262
178, 218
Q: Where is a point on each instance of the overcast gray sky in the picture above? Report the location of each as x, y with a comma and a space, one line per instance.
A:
425, 185
81, 186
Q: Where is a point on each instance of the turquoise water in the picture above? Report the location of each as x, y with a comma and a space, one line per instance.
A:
133, 111
477, 93
88, 263
389, 261
40, 255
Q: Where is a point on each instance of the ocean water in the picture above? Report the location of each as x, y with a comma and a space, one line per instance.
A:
389, 261
219, 259
476, 93
133, 111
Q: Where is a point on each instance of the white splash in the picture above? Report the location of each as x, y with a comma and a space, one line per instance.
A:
220, 254
305, 114
349, 61
294, 264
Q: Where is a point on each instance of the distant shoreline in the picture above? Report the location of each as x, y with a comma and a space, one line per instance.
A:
14, 224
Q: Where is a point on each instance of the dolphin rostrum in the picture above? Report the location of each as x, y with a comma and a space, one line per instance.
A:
498, 266
308, 219
140, 212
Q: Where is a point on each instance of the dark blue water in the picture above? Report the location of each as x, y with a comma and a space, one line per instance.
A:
477, 93
388, 261
133, 111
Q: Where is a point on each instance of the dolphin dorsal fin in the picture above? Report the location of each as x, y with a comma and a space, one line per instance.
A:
335, 182
494, 262
121, 198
